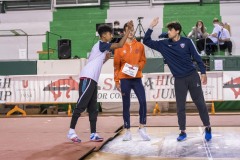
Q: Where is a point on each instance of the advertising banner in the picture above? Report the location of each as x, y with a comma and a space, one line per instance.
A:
159, 87
231, 85
38, 89
64, 88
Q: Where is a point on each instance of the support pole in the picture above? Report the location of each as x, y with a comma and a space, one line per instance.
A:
69, 110
212, 108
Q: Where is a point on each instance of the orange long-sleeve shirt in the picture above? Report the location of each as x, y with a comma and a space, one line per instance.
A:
131, 53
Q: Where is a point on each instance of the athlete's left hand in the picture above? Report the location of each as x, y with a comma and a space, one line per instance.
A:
107, 57
204, 79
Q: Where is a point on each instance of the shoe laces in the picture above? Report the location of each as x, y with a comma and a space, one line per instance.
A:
182, 134
93, 135
208, 129
76, 139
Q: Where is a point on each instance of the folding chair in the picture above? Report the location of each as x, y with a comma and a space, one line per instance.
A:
209, 48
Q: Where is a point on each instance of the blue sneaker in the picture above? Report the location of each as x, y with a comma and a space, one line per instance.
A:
95, 137
208, 134
182, 136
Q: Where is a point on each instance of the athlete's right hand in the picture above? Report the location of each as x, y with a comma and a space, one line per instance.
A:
204, 79
130, 25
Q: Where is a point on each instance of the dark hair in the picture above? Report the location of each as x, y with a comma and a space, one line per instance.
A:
176, 25
203, 27
125, 26
215, 20
103, 29
116, 23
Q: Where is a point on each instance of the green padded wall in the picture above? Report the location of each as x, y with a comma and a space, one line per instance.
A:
18, 68
227, 106
78, 25
230, 63
154, 65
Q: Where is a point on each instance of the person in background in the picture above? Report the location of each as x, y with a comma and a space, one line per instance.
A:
116, 24
199, 31
117, 32
133, 54
224, 40
116, 29
227, 26
212, 38
179, 53
89, 76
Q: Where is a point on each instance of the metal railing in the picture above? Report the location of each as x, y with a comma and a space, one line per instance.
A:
13, 5
174, 1
123, 3
27, 5
19, 33
76, 3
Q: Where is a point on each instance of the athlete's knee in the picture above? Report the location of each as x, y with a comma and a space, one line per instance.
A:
76, 114
93, 119
93, 116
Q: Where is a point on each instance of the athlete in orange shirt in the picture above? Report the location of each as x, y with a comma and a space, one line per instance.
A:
133, 54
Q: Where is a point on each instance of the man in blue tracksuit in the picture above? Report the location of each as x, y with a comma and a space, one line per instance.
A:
178, 53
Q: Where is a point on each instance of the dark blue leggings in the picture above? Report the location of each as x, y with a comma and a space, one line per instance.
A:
137, 86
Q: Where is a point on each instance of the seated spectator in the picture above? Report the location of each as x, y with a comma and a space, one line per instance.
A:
224, 40
227, 26
117, 32
198, 31
212, 38
116, 24
116, 29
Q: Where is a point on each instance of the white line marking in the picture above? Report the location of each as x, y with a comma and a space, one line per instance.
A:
206, 147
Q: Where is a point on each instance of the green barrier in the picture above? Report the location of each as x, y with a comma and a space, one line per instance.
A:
227, 106
18, 67
154, 65
224, 63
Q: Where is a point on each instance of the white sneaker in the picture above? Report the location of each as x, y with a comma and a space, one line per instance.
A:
202, 53
95, 137
73, 137
143, 134
127, 136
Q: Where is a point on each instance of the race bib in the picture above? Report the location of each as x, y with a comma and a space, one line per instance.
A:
128, 69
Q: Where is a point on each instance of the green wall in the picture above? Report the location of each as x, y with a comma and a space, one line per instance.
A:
189, 14
154, 65
78, 25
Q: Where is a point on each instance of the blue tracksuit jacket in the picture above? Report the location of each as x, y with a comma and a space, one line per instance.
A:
178, 55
